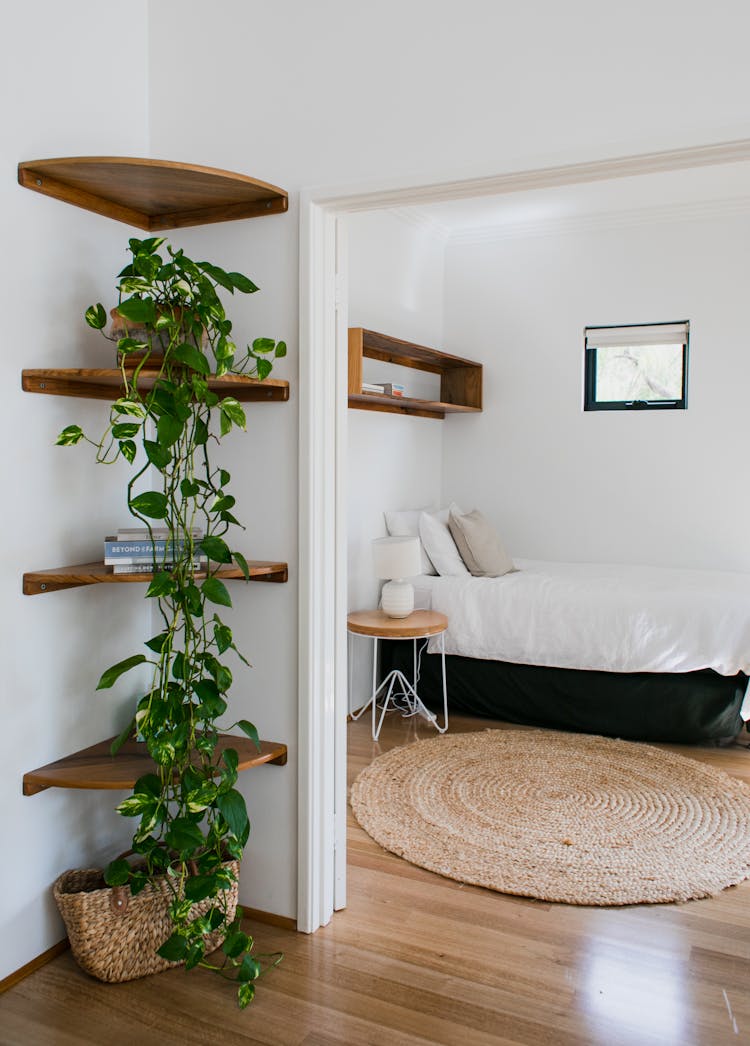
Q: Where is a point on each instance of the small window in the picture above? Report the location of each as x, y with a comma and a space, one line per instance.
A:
638, 367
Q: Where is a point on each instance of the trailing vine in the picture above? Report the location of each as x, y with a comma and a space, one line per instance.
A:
192, 821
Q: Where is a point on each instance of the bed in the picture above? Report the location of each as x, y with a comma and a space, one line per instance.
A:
638, 652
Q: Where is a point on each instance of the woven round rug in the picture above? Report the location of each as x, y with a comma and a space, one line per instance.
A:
560, 817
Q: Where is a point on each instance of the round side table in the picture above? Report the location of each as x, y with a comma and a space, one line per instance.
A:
420, 624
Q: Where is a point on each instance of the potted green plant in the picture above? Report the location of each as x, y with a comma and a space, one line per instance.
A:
192, 822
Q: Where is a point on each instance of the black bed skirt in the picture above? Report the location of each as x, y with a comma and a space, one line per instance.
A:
645, 706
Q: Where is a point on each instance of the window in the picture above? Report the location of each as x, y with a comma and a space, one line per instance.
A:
638, 367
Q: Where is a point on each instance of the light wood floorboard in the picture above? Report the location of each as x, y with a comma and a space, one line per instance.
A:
417, 959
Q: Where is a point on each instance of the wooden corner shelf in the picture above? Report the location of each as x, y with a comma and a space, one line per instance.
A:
95, 768
152, 194
58, 578
105, 384
460, 379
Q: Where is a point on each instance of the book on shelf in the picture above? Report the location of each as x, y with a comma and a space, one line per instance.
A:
388, 388
157, 534
114, 549
147, 566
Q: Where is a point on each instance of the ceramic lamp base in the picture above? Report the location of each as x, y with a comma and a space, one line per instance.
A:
397, 598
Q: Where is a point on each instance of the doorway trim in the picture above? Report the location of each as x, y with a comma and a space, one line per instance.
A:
322, 484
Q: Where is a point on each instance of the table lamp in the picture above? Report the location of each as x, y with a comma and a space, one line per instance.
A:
395, 559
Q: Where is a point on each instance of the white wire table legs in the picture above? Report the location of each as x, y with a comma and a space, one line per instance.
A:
399, 692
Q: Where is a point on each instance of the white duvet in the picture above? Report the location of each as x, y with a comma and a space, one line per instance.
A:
595, 616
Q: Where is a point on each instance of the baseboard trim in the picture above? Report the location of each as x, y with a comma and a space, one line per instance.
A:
284, 922
41, 960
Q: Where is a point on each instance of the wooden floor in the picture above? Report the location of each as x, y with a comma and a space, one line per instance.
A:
417, 959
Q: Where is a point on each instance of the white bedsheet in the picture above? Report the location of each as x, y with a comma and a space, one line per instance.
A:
597, 616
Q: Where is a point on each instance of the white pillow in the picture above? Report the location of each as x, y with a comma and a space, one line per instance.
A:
405, 524
439, 544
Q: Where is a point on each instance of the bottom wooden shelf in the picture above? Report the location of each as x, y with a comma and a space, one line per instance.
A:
94, 767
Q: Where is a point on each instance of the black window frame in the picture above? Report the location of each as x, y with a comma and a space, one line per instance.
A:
590, 401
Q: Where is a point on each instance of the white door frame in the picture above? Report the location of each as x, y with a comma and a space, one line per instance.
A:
322, 494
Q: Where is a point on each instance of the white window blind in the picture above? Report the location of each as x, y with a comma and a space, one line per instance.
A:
646, 334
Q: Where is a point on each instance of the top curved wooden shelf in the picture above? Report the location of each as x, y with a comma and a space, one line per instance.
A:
152, 194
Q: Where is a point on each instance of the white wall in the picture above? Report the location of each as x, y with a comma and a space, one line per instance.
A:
73, 83
665, 488
394, 462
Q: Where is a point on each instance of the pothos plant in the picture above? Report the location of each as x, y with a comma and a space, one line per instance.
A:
192, 821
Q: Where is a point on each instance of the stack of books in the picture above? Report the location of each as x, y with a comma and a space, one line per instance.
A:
386, 388
135, 551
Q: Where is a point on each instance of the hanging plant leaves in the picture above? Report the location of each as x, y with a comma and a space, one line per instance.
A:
231, 414
222, 636
138, 310
169, 429
249, 730
156, 454
70, 436
216, 592
232, 807
96, 317
151, 504
159, 643
242, 562
163, 584
217, 550
173, 949
242, 283
110, 677
192, 357
264, 368
128, 450
190, 817
125, 430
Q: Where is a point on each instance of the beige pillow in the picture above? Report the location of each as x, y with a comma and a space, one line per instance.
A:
479, 544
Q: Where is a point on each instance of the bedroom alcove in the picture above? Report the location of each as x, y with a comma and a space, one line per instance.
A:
511, 280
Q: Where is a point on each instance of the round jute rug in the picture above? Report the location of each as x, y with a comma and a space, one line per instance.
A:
560, 817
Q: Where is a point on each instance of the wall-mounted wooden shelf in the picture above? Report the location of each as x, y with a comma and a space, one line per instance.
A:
95, 768
105, 384
152, 194
58, 578
460, 379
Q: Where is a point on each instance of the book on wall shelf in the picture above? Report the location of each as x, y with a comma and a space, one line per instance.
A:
387, 388
156, 534
135, 551
146, 566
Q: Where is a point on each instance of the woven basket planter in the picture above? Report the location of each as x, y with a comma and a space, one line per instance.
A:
115, 936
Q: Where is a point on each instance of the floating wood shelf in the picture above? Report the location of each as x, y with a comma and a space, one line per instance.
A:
58, 578
106, 384
95, 768
407, 405
460, 379
152, 194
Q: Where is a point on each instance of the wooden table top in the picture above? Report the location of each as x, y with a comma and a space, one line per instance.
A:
375, 623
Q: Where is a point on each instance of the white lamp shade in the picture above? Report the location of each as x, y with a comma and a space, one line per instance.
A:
396, 557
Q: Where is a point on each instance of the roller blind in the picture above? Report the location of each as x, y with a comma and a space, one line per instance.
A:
645, 334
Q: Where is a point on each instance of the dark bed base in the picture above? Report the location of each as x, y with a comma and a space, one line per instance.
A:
644, 706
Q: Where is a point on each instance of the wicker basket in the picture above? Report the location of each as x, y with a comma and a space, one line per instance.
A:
113, 935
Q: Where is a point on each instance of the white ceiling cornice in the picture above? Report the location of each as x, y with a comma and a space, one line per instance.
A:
365, 198
602, 220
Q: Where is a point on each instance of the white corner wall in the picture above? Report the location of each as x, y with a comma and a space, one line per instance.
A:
395, 276
73, 81
636, 487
